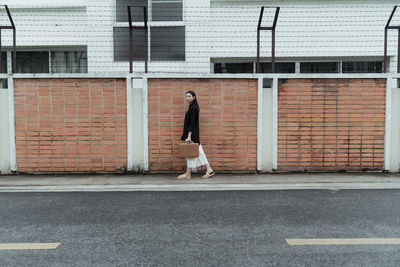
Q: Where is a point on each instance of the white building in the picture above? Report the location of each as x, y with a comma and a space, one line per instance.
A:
200, 36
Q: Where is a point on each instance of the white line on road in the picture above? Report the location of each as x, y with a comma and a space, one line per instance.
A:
23, 246
343, 241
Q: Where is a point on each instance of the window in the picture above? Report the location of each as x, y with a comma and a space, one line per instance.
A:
167, 43
4, 62
319, 67
305, 67
121, 44
166, 10
136, 10
3, 83
362, 67
69, 62
266, 67
33, 62
267, 83
61, 61
233, 68
158, 10
280, 67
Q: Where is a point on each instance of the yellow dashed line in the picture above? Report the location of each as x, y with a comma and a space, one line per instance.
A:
23, 246
343, 241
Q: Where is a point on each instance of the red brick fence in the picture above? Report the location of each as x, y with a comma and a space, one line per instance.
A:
80, 124
228, 122
331, 124
70, 125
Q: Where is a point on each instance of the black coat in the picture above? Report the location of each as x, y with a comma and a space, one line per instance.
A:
191, 124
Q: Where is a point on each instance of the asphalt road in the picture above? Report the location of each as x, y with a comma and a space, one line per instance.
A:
236, 228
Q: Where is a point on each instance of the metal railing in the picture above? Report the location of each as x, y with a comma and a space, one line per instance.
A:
388, 27
14, 54
272, 29
131, 27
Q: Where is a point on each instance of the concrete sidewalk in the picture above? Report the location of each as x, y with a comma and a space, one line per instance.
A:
220, 182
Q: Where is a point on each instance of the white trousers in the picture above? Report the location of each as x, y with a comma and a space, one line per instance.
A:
195, 163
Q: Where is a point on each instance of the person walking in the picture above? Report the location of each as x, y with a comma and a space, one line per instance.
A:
191, 134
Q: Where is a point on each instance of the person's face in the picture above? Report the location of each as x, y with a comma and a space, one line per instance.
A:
189, 98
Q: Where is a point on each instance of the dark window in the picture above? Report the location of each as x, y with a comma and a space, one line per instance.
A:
69, 62
3, 62
165, 10
167, 43
267, 83
233, 68
3, 83
319, 67
280, 67
136, 10
362, 67
33, 62
121, 44
162, 10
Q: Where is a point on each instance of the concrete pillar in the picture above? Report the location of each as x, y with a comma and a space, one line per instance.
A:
5, 166
395, 131
137, 144
267, 127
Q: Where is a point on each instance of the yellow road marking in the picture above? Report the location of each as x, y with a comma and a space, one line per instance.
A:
23, 246
343, 241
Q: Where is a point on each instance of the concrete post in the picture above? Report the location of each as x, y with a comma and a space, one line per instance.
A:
395, 129
268, 129
137, 126
5, 166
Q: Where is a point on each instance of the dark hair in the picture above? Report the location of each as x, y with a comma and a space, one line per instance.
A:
194, 102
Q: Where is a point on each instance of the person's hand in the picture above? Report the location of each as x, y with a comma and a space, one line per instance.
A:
188, 140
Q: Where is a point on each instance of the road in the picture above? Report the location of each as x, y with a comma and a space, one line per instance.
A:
227, 228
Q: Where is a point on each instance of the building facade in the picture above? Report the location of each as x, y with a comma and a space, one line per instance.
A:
200, 36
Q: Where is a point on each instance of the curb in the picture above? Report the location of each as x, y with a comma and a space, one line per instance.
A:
200, 187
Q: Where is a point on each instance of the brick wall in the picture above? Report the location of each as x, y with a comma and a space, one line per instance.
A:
331, 124
70, 125
228, 122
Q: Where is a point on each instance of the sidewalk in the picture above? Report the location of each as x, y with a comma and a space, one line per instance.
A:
219, 182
